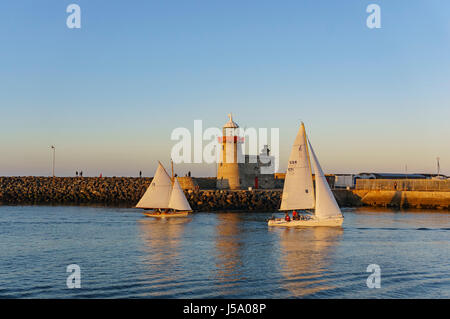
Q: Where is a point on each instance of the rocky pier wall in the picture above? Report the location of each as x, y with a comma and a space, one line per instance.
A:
126, 192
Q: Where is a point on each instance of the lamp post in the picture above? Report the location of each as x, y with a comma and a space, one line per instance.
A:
438, 166
53, 167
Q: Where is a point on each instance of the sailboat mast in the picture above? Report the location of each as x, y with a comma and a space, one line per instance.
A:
308, 156
171, 162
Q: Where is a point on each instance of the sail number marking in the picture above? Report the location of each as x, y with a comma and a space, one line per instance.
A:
291, 169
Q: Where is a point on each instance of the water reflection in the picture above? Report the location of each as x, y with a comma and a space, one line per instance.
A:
162, 244
229, 246
388, 218
306, 254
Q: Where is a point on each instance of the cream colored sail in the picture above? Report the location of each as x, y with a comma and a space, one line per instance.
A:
178, 200
326, 205
158, 193
298, 191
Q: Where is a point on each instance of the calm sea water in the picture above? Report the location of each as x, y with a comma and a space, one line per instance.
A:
220, 255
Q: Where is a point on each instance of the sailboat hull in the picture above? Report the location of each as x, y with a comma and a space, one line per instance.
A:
166, 215
329, 222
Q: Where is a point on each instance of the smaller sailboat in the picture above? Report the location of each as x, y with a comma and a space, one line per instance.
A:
298, 191
164, 197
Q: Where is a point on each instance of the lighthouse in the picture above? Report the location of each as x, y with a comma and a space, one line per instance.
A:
228, 166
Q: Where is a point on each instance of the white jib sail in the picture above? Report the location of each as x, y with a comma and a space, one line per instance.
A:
157, 194
298, 191
178, 200
326, 205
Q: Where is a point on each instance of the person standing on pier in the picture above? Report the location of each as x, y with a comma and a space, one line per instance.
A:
140, 174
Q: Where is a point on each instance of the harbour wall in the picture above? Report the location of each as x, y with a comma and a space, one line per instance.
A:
403, 199
431, 185
126, 192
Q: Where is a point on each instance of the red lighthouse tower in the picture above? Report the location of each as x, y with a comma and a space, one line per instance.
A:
228, 168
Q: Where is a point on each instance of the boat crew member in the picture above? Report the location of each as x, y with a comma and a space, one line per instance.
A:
287, 218
294, 215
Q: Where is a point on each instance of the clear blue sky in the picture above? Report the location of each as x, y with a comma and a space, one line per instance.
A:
109, 94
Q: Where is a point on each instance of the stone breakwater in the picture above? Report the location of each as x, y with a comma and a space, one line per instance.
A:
121, 191
126, 192
220, 200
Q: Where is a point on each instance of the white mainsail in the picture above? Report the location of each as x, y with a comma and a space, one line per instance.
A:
326, 205
298, 191
158, 193
178, 200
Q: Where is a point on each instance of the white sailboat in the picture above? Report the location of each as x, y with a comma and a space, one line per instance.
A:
299, 193
164, 197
